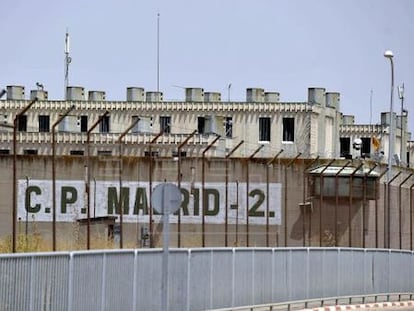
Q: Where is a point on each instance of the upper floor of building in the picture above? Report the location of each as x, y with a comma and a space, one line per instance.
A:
314, 127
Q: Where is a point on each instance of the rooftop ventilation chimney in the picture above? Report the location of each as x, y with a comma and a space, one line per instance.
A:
348, 120
316, 95
15, 92
75, 93
135, 94
271, 97
212, 97
96, 95
153, 96
194, 94
40, 94
333, 100
255, 95
385, 118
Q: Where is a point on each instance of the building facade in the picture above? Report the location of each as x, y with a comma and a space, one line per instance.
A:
254, 173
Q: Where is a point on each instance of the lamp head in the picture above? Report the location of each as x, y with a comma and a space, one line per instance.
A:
388, 54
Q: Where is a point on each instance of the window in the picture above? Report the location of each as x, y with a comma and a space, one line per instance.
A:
154, 153
30, 151
344, 146
22, 123
175, 154
44, 123
201, 125
165, 124
288, 129
104, 125
104, 152
4, 151
264, 129
228, 127
76, 152
84, 124
366, 147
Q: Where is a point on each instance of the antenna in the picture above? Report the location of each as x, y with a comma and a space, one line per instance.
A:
68, 60
370, 107
158, 52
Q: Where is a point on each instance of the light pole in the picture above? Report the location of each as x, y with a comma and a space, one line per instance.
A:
54, 175
388, 54
402, 149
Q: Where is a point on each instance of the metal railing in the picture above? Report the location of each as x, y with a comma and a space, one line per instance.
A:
324, 302
199, 279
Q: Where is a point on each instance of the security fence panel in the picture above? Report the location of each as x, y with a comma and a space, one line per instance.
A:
200, 279
148, 280
87, 281
243, 277
323, 272
297, 277
346, 272
358, 272
118, 281
49, 285
262, 276
399, 275
178, 276
280, 274
368, 272
222, 277
15, 277
380, 266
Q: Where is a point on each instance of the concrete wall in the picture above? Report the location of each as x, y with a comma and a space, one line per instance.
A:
297, 227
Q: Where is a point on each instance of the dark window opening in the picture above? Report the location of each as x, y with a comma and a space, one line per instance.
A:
201, 125
154, 153
104, 125
366, 147
165, 124
175, 154
44, 123
288, 129
344, 146
4, 151
104, 152
83, 124
229, 127
22, 123
264, 129
76, 152
30, 151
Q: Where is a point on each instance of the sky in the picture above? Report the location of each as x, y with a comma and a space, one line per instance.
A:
285, 46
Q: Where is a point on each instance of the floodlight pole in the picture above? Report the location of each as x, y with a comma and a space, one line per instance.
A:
390, 55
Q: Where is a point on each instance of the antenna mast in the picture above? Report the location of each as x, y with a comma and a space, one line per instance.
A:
158, 52
68, 60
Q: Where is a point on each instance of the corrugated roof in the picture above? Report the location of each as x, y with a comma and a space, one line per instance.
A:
347, 171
